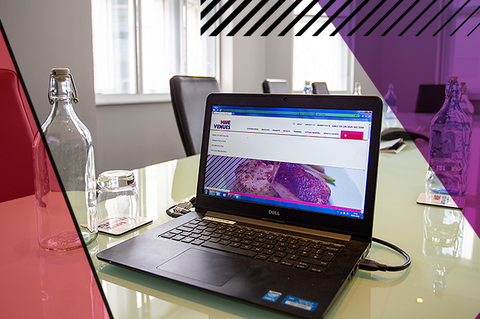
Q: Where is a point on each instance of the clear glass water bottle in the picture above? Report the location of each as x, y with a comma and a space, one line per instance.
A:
389, 108
357, 89
449, 156
70, 144
307, 88
391, 100
465, 103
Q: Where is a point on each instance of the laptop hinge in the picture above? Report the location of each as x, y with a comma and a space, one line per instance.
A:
229, 219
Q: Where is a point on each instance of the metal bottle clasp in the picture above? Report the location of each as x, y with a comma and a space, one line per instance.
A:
74, 95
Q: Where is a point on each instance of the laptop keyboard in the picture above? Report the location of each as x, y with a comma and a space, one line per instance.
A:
290, 251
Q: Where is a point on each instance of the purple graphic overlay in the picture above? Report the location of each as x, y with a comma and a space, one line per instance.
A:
414, 42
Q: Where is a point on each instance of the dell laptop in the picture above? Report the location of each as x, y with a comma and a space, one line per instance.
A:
284, 204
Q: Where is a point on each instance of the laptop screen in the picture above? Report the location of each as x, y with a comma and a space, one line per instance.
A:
309, 159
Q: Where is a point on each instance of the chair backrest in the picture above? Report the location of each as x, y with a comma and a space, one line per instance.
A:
275, 86
16, 140
189, 94
320, 88
430, 98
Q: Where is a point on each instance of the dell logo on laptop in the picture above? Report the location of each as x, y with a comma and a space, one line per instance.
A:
274, 212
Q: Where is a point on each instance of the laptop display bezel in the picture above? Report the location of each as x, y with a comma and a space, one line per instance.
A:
357, 228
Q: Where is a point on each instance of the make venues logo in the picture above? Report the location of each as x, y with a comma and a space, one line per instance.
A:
224, 125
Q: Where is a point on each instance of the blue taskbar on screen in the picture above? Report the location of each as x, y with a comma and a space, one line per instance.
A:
325, 209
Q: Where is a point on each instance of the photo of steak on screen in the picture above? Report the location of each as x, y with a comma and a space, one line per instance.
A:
298, 182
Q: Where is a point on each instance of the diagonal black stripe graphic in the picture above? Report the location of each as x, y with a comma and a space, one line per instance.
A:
315, 18
350, 17
264, 18
208, 8
216, 16
473, 30
465, 20
400, 18
220, 172
418, 17
320, 30
202, 2
230, 17
443, 26
215, 169
436, 16
280, 19
300, 16
247, 18
210, 172
383, 18
366, 18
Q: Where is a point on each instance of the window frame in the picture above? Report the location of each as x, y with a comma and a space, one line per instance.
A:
179, 27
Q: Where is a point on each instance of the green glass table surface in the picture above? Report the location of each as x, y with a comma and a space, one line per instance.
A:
442, 282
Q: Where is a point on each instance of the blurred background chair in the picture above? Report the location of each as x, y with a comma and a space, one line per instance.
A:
189, 95
430, 98
320, 88
15, 141
275, 86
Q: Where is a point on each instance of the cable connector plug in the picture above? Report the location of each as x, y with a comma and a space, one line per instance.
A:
371, 265
181, 208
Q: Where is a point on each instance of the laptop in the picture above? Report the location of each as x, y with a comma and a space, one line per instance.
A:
284, 203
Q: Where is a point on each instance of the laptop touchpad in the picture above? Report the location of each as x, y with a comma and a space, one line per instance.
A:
205, 266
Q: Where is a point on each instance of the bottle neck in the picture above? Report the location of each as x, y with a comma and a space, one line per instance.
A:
452, 98
62, 96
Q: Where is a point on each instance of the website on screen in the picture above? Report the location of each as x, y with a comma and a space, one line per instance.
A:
308, 159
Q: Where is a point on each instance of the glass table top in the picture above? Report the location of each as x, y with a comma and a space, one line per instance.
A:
443, 280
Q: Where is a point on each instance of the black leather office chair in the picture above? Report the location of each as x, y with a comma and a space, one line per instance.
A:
189, 95
320, 88
275, 86
430, 98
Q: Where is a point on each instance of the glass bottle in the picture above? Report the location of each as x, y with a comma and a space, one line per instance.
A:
357, 89
465, 103
449, 154
389, 107
307, 88
391, 100
70, 144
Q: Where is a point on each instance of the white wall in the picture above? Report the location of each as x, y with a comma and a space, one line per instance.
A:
279, 57
132, 136
48, 34
248, 63
257, 57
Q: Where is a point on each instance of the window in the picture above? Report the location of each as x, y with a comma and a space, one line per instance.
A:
321, 58
461, 52
140, 44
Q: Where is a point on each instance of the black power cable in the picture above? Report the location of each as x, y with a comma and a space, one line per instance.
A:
372, 265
